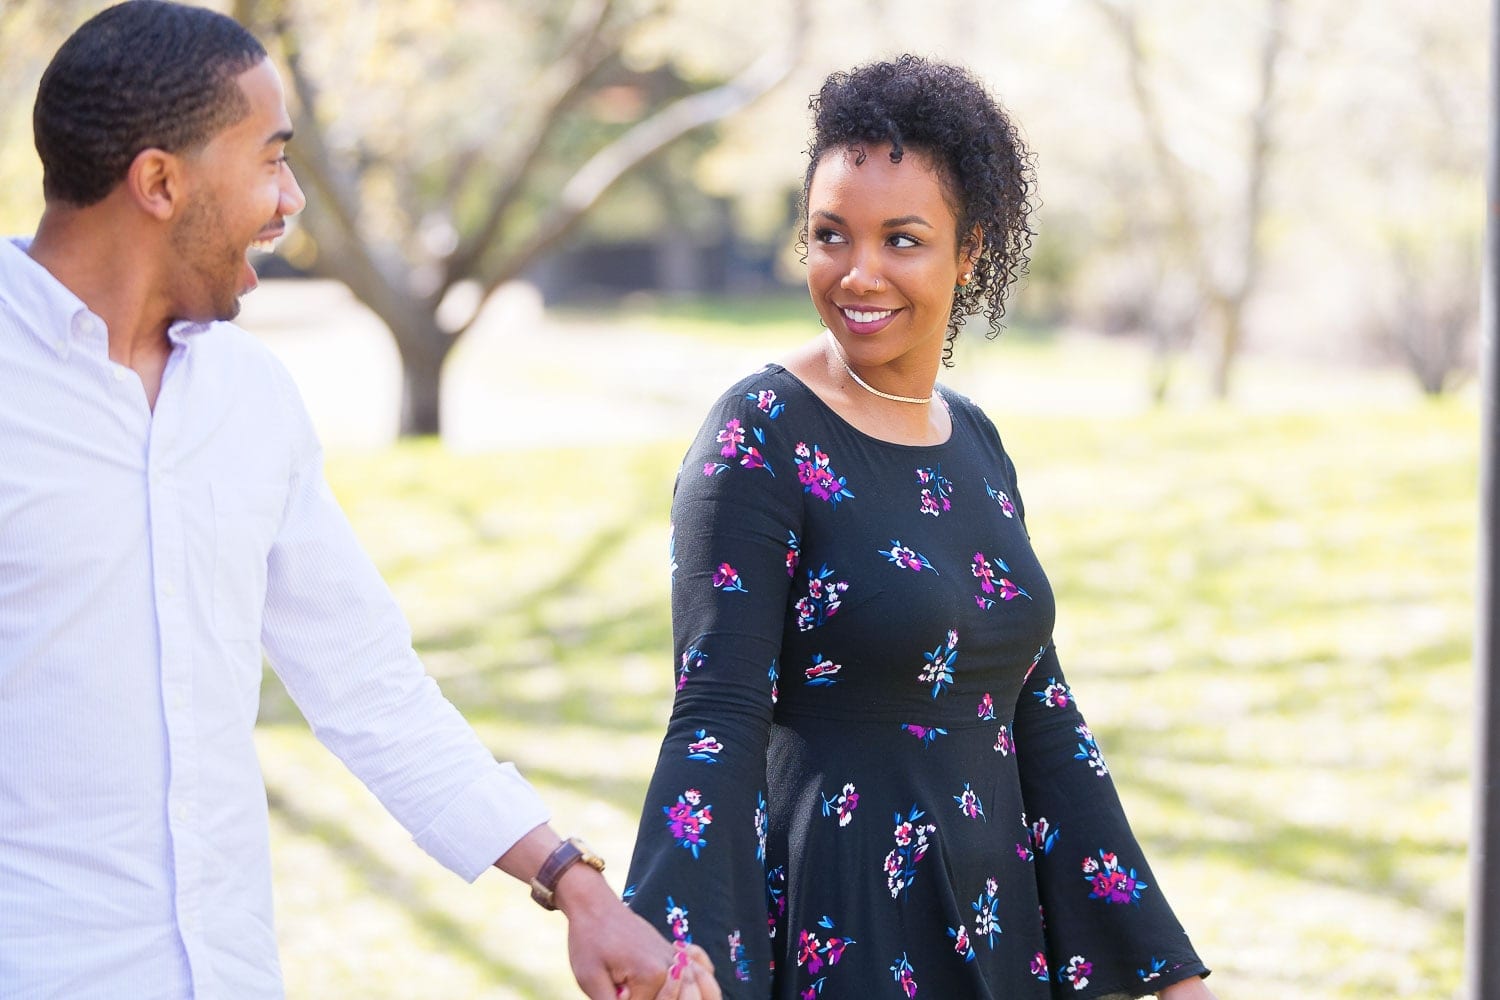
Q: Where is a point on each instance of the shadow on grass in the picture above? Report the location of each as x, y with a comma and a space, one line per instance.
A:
450, 935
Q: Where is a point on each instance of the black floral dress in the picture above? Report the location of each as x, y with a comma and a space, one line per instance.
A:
875, 781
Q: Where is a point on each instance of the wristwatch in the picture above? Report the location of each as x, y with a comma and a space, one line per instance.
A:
566, 854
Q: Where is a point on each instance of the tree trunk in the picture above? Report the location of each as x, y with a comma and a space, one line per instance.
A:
422, 355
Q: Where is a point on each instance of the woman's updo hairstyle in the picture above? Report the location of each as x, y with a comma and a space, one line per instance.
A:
943, 112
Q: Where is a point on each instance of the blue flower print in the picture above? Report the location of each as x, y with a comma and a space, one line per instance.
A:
935, 491
762, 823
765, 400
841, 805
817, 478
960, 936
793, 553
824, 596
938, 670
737, 958
1156, 966
907, 558
911, 847
987, 924
905, 976
732, 440
774, 673
988, 584
704, 748
1088, 751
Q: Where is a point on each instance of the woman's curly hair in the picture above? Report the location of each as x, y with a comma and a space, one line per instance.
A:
943, 112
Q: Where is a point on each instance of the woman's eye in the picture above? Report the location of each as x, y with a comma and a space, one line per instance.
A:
902, 240
828, 236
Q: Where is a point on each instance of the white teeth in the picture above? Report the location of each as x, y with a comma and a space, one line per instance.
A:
867, 317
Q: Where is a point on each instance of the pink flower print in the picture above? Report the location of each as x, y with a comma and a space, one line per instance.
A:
737, 958
906, 976
903, 834
765, 401
1039, 966
807, 951
687, 822
821, 673
842, 805
1088, 751
727, 578
906, 557
774, 672
731, 437
969, 804
793, 553
1005, 744
704, 748
1041, 652
1077, 972
960, 936
692, 659
924, 733
986, 708
817, 478
714, 468
984, 572
1055, 694
1110, 882
1023, 852
935, 490
1043, 835
1006, 507
752, 458
677, 920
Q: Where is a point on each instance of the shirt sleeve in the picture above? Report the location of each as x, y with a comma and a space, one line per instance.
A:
335, 635
1110, 931
698, 871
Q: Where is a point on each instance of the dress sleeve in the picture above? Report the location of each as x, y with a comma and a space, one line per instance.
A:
698, 872
1110, 931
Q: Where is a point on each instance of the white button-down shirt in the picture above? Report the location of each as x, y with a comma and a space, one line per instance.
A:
146, 559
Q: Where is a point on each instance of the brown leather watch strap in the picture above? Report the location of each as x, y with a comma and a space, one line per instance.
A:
563, 857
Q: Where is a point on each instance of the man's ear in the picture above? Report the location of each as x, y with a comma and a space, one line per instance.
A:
155, 183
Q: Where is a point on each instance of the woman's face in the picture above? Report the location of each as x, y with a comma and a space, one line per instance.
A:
883, 254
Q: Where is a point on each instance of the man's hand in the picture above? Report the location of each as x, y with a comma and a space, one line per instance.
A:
618, 956
615, 955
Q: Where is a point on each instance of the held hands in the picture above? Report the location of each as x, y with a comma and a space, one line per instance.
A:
616, 955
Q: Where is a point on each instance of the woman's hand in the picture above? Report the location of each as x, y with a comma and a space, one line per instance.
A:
1189, 989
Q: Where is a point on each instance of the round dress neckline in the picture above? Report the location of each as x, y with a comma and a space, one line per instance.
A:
865, 435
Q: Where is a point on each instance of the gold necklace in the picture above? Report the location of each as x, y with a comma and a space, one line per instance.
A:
867, 386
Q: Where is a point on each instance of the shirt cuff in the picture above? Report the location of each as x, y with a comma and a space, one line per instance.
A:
483, 822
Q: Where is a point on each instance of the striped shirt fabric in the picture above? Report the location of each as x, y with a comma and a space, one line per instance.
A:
148, 560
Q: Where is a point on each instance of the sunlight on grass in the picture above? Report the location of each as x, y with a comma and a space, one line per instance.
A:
1267, 613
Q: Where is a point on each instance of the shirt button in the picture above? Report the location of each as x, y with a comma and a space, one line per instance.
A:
119, 374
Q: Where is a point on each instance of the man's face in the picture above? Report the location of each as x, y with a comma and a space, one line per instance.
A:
240, 193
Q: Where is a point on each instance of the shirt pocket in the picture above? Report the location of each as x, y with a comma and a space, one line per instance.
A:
247, 517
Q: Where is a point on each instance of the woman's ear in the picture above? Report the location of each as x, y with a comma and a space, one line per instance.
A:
973, 246
154, 183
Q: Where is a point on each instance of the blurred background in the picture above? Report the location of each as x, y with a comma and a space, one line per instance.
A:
1238, 383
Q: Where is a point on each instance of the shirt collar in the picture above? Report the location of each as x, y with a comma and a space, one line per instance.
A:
44, 304
53, 312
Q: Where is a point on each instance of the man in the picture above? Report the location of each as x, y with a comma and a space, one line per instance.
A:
163, 519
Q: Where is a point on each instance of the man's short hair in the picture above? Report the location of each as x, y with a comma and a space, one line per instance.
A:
144, 74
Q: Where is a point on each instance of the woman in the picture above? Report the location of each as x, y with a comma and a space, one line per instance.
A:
875, 780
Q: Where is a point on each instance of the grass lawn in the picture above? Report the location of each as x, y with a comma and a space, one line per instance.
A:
1266, 610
